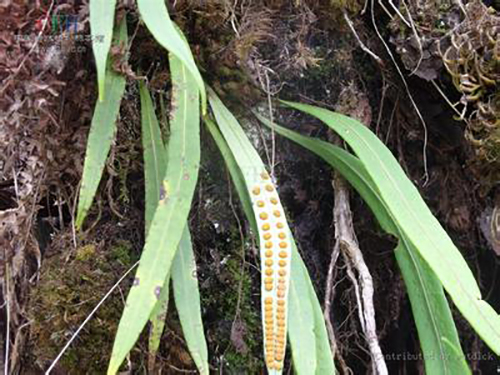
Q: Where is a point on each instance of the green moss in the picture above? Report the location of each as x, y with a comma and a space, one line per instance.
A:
68, 290
121, 252
251, 360
86, 252
352, 6
241, 333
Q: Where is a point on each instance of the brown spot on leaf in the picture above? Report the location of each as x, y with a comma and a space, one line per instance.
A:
157, 292
163, 193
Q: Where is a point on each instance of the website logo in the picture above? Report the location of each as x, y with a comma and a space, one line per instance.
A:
58, 23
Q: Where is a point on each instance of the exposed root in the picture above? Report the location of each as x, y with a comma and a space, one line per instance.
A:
417, 38
328, 308
360, 42
354, 103
408, 92
363, 283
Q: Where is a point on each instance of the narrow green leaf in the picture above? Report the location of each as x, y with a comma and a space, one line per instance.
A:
304, 304
261, 192
324, 356
416, 222
169, 220
234, 171
432, 314
157, 318
187, 301
301, 328
185, 284
102, 133
155, 165
157, 20
102, 18
430, 308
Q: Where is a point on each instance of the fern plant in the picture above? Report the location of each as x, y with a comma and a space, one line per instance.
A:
429, 261
171, 173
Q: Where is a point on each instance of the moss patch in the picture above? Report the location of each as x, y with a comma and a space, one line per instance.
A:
237, 326
68, 290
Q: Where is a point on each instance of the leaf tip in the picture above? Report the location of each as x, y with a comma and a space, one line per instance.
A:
111, 369
80, 217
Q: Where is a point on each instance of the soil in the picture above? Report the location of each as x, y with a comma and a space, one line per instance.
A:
249, 52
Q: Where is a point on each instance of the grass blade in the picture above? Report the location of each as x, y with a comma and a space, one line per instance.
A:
102, 18
260, 193
102, 133
187, 301
416, 222
176, 194
425, 291
156, 17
